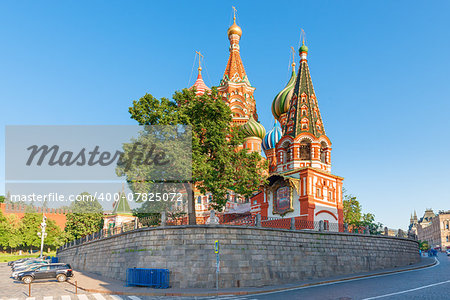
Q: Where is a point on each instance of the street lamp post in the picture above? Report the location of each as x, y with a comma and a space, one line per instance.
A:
42, 234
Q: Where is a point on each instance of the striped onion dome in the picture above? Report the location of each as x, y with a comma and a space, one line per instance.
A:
199, 84
272, 137
253, 129
280, 104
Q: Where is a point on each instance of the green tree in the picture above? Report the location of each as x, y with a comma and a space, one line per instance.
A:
29, 228
354, 216
9, 231
31, 225
55, 236
424, 246
2, 199
86, 217
4, 231
14, 238
217, 165
351, 210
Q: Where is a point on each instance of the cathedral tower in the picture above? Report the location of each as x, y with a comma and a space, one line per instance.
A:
304, 142
236, 91
235, 88
300, 184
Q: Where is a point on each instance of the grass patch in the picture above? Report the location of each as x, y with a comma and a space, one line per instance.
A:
5, 257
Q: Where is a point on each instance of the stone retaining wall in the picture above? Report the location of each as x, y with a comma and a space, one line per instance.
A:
249, 256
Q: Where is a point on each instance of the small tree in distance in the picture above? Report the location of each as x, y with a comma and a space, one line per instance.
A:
354, 217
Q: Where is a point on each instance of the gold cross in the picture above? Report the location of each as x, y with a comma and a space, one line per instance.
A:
234, 13
293, 56
200, 56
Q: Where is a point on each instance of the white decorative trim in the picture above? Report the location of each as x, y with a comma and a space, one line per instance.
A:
299, 138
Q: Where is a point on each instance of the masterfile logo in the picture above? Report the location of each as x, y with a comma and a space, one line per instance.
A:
85, 153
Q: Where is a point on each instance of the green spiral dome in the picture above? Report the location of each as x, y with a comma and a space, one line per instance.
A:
253, 129
280, 104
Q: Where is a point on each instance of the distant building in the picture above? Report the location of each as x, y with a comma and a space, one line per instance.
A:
435, 229
120, 214
395, 232
413, 222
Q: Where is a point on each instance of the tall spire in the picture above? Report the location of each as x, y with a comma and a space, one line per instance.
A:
235, 71
235, 88
122, 207
199, 84
304, 115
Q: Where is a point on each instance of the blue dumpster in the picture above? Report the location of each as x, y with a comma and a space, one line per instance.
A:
156, 278
54, 260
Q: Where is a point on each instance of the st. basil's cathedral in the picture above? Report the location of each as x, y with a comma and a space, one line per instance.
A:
300, 184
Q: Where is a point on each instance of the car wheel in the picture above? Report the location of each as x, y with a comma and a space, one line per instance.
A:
27, 279
61, 278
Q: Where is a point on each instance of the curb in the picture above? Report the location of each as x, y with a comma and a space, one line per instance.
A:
242, 293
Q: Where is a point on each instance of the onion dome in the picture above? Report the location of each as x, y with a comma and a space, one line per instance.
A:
280, 104
272, 137
199, 84
234, 29
253, 129
303, 48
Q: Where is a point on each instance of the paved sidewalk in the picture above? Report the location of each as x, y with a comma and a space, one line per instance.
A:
98, 284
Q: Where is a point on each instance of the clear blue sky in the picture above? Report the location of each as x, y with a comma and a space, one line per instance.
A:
380, 69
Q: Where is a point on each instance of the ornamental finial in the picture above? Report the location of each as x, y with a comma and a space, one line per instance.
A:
234, 29
293, 57
303, 48
200, 57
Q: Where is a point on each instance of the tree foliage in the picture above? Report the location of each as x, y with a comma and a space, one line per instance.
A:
86, 217
217, 165
354, 216
13, 237
4, 232
22, 233
31, 225
424, 245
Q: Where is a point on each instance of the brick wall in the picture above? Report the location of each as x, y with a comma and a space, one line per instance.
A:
249, 256
57, 215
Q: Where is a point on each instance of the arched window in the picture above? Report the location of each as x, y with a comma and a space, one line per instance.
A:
304, 123
305, 149
304, 109
199, 200
323, 152
286, 152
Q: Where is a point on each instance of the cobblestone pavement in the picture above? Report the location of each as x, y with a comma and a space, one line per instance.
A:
11, 289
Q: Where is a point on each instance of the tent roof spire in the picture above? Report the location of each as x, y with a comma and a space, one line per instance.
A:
199, 84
